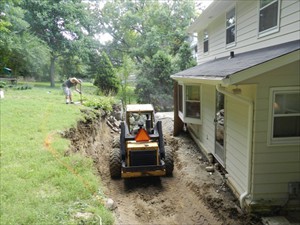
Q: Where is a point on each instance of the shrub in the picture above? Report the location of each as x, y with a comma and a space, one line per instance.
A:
104, 103
23, 87
2, 84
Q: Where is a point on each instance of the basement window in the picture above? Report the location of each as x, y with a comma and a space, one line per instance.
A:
189, 103
285, 116
192, 101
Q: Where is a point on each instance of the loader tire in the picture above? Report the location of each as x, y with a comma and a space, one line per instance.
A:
115, 163
116, 142
169, 161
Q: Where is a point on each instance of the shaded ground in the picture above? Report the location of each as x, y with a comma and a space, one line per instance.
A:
191, 196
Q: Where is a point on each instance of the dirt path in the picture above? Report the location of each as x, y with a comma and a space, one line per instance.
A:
191, 196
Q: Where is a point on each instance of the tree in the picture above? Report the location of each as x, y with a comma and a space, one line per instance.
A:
105, 76
153, 82
27, 56
141, 29
62, 24
5, 24
124, 72
20, 50
185, 58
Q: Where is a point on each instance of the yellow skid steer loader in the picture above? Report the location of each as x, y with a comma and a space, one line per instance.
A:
142, 151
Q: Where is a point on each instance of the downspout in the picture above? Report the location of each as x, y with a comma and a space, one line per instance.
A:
250, 137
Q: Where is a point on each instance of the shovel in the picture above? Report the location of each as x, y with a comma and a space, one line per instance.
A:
76, 103
80, 95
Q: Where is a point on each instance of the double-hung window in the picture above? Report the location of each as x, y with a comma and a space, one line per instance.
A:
285, 116
230, 27
269, 16
189, 103
205, 41
192, 101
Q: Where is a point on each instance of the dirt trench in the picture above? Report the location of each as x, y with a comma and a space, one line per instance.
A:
191, 196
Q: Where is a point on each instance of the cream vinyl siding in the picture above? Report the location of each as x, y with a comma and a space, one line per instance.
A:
247, 38
273, 166
205, 133
236, 143
208, 129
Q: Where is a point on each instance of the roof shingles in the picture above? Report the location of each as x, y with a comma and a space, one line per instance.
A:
226, 66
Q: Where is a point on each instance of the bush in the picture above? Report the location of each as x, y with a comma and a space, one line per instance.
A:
23, 87
2, 84
104, 103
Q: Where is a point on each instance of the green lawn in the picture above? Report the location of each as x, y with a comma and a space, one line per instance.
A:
38, 184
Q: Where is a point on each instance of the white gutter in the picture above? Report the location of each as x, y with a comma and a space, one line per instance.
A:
250, 137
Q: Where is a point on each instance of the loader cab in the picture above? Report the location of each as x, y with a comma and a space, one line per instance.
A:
140, 116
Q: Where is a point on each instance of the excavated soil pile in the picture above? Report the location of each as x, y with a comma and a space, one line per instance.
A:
191, 196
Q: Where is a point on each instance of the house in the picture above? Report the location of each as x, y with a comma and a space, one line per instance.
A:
241, 103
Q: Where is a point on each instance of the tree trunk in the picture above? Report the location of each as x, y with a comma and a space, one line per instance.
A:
52, 69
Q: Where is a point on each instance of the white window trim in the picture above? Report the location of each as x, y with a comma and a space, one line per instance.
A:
271, 30
182, 115
203, 40
279, 141
232, 44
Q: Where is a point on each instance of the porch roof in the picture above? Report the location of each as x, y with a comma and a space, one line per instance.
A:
231, 70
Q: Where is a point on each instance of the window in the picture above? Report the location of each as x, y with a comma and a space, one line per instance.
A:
285, 124
196, 52
268, 15
230, 27
189, 103
180, 99
192, 102
205, 42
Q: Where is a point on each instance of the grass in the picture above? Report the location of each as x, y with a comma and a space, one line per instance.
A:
38, 183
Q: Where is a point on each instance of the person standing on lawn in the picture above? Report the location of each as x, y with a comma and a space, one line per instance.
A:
71, 82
